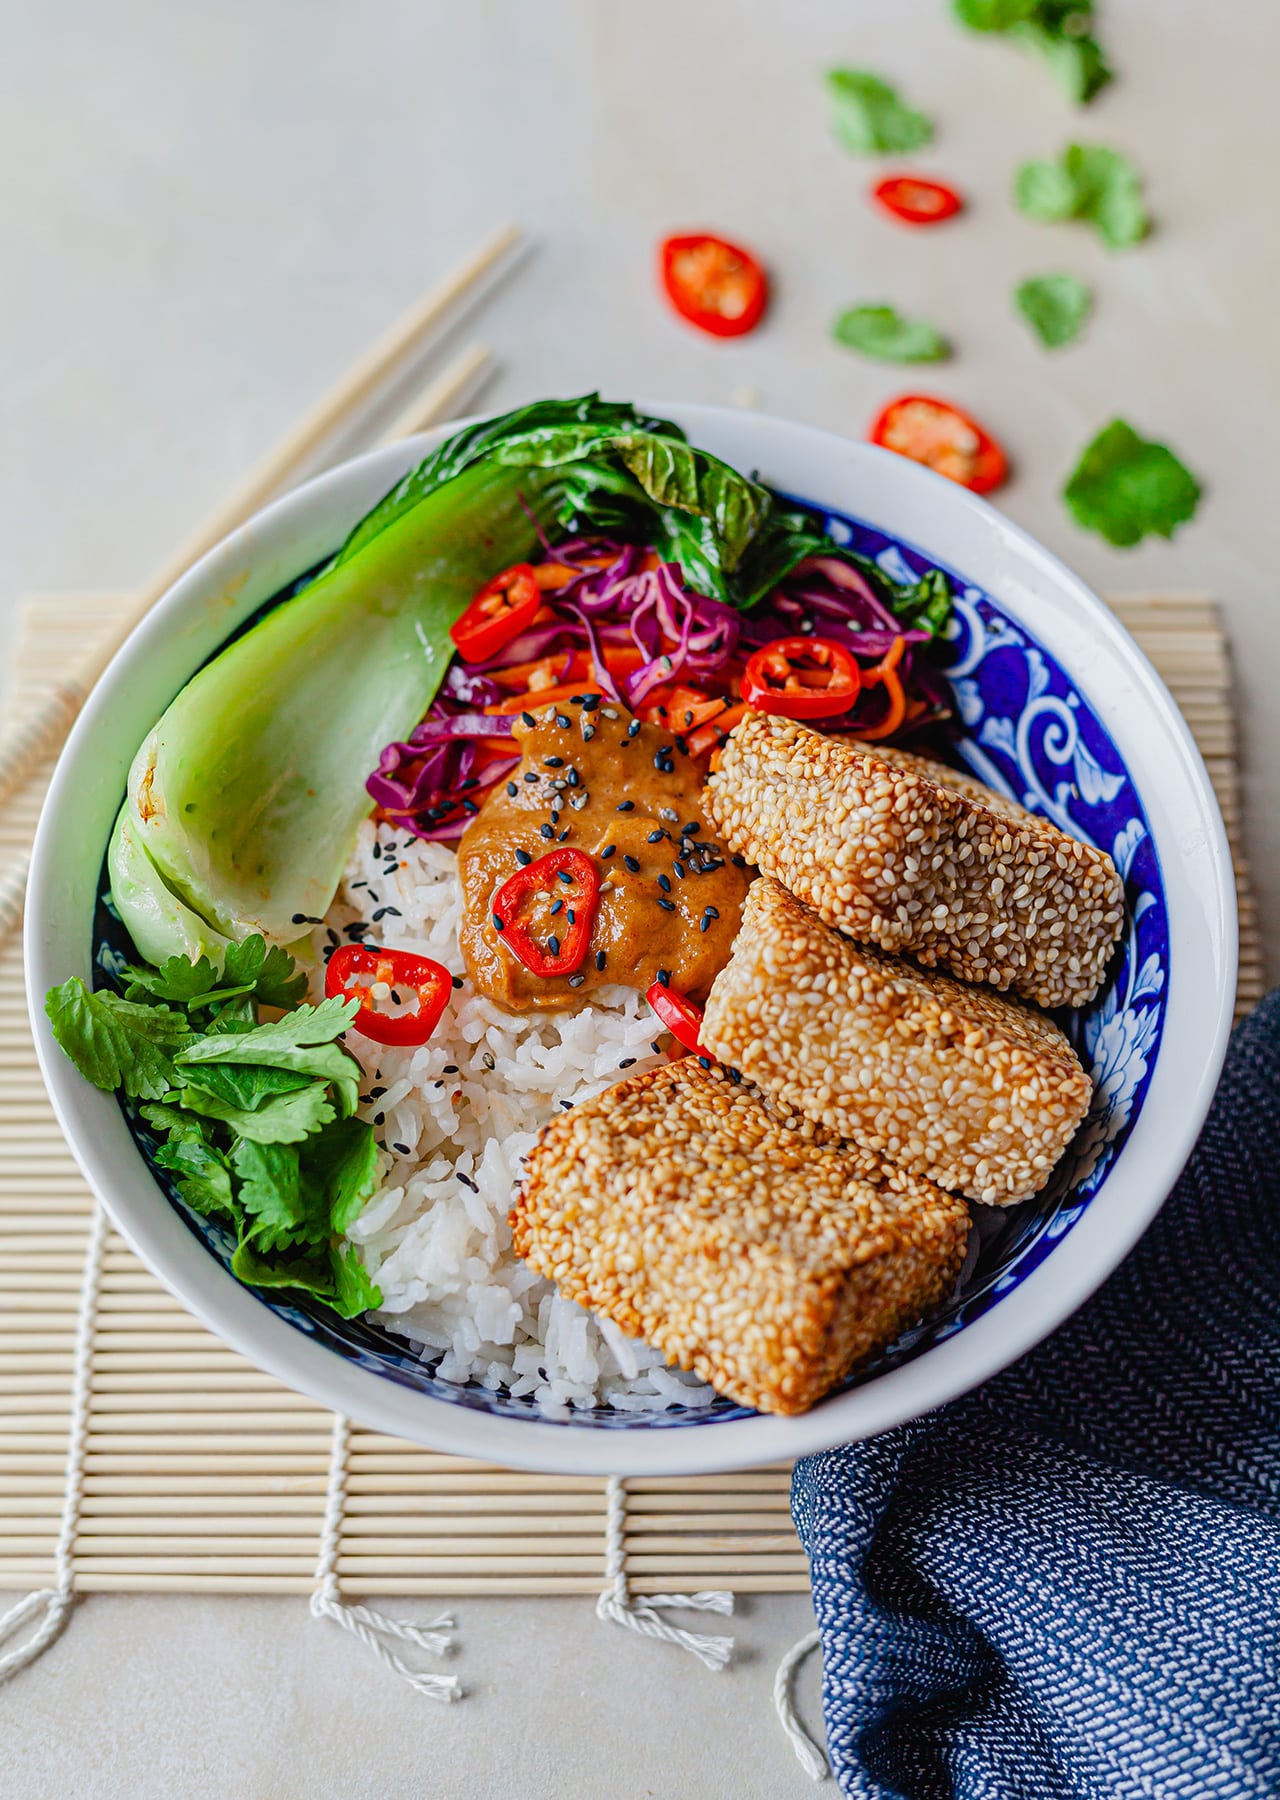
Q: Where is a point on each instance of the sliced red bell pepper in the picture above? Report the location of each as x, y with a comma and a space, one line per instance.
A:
802, 678
395, 969
915, 200
499, 613
565, 875
713, 284
943, 438
680, 1016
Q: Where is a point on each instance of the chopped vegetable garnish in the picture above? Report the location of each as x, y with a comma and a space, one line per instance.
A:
1055, 307
868, 116
802, 678
680, 1016
1125, 487
499, 612
713, 284
1061, 30
1088, 182
255, 1120
915, 200
942, 437
565, 875
881, 332
430, 982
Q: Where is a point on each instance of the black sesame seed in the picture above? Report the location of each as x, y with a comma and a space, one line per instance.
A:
499, 924
711, 912
556, 906
533, 775
487, 1060
450, 1068
576, 981
566, 1104
608, 851
457, 981
691, 829
466, 1181
679, 869
633, 728
547, 830
666, 905
632, 864
379, 1118
655, 837
682, 747
553, 946
571, 916
704, 923
396, 997
669, 814
306, 919
664, 882
472, 781
566, 876
403, 1149
626, 806
553, 762
573, 778
590, 702
563, 835
600, 959
376, 1093
588, 732
664, 977
563, 722
739, 862
383, 911
469, 806
528, 718
656, 1047
576, 699
705, 1061
628, 1062
523, 858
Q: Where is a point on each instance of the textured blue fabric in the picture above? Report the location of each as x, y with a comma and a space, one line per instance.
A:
1066, 1586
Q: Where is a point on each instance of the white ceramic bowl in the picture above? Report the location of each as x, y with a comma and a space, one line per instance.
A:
1157, 1045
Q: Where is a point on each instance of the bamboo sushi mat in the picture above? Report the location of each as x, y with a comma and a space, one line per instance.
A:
202, 1474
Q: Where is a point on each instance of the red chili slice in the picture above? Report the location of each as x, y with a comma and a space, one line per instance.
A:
943, 438
563, 875
801, 678
430, 981
717, 286
916, 201
499, 613
681, 1017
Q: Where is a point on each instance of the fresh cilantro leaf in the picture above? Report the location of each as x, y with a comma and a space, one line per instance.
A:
177, 979
302, 1041
272, 1195
881, 332
272, 973
1125, 487
1089, 182
246, 1085
1055, 307
993, 15
1059, 30
927, 605
286, 1119
204, 1180
117, 1043
354, 1292
868, 116
343, 1161
239, 1015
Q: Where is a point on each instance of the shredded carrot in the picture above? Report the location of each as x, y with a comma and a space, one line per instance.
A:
680, 708
536, 697
712, 735
897, 708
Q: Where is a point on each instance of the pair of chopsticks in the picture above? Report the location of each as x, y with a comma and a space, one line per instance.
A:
27, 750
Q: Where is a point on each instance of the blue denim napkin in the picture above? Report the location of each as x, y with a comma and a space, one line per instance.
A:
1066, 1586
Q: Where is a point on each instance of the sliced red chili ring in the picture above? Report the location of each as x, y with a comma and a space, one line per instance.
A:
943, 438
717, 286
565, 875
499, 613
680, 1016
430, 981
802, 678
917, 201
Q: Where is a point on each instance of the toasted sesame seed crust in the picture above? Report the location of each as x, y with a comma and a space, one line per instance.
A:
678, 1206
955, 1083
907, 854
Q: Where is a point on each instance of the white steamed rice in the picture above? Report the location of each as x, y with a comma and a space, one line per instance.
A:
457, 1115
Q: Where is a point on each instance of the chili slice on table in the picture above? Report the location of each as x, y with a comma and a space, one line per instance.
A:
569, 876
681, 1017
915, 200
499, 613
430, 981
801, 678
713, 284
943, 438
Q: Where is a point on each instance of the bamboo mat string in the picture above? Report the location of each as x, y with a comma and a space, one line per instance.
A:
619, 1606
57, 1600
808, 1754
365, 1622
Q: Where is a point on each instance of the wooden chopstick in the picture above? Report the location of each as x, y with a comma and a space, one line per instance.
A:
45, 731
444, 397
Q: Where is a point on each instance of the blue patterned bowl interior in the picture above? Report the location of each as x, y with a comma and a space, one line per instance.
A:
1023, 727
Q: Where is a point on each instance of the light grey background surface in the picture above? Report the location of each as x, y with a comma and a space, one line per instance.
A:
207, 211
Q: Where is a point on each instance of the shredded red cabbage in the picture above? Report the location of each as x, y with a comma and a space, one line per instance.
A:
617, 597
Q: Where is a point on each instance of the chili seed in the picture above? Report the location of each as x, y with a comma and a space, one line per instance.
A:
632, 864
523, 858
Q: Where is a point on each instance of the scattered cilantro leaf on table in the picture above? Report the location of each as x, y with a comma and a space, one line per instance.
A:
882, 332
1061, 31
256, 1118
870, 118
1055, 307
1090, 182
1125, 487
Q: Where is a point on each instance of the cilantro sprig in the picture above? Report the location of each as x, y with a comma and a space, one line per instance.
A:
1125, 487
255, 1117
1060, 30
870, 118
1055, 307
1090, 182
883, 333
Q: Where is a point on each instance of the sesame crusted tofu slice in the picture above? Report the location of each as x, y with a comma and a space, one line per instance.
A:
909, 855
678, 1206
954, 1083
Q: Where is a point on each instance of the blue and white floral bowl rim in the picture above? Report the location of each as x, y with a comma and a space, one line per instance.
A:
1189, 1008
